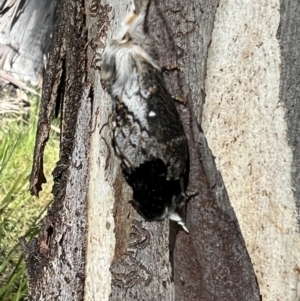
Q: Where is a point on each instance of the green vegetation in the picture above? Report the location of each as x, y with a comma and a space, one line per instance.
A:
20, 213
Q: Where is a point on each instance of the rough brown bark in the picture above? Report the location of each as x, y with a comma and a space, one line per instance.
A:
55, 260
146, 261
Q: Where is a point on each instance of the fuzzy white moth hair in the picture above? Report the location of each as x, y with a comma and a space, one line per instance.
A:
131, 45
174, 216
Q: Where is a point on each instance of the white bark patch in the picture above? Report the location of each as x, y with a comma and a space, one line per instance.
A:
100, 237
243, 120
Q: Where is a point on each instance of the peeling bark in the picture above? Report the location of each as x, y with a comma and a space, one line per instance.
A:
56, 259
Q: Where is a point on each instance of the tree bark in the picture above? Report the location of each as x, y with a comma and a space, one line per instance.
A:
92, 244
251, 121
56, 258
26, 26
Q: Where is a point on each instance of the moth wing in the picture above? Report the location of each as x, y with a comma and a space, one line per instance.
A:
148, 126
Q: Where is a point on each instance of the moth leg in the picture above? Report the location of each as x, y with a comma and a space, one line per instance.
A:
170, 67
179, 99
185, 196
177, 204
167, 70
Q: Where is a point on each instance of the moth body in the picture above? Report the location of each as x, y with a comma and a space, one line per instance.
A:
148, 135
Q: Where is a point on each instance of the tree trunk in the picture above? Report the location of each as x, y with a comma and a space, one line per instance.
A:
251, 121
26, 26
92, 244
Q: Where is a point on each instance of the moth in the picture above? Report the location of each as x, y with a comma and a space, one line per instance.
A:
147, 134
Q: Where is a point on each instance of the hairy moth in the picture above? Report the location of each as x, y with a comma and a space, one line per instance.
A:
148, 135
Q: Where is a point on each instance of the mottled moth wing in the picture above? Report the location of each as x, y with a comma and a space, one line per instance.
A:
147, 124
153, 194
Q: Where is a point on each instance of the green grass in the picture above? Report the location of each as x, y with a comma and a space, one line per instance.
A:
20, 213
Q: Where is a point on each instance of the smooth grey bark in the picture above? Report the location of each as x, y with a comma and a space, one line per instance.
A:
149, 262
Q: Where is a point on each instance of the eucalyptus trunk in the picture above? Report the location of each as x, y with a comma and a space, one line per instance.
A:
92, 244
